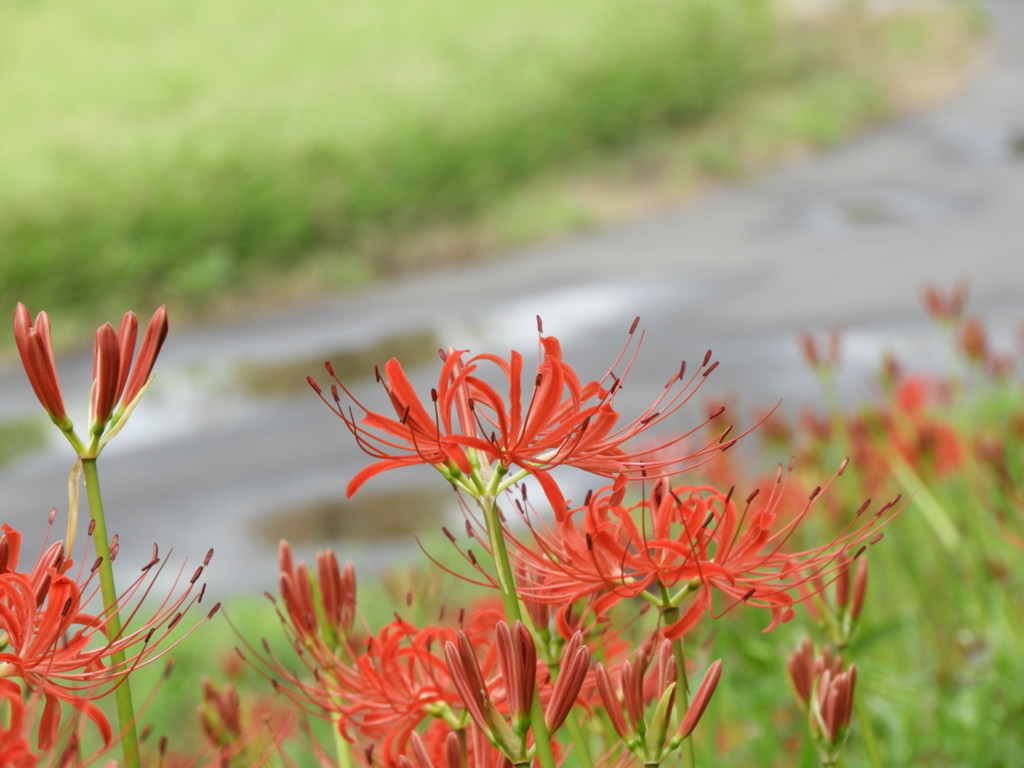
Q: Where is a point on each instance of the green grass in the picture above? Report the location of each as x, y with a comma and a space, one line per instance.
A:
21, 437
173, 148
189, 152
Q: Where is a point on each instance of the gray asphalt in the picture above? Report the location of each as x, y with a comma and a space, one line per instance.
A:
845, 239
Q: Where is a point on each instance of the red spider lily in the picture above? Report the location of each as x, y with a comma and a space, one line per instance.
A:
254, 733
452, 751
518, 666
441, 747
688, 542
36, 349
805, 666
379, 690
910, 429
380, 695
918, 434
322, 607
59, 650
825, 691
839, 615
51, 560
471, 427
15, 750
821, 354
946, 306
116, 383
397, 683
834, 703
648, 736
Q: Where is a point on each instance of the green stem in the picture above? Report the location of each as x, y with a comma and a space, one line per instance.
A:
510, 601
340, 745
122, 693
834, 406
670, 614
579, 741
867, 733
502, 565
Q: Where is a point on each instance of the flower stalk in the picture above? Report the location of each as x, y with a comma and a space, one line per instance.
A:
670, 615
647, 736
513, 612
116, 389
108, 590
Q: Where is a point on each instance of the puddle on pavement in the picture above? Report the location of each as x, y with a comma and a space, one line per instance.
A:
367, 517
869, 214
272, 379
1016, 144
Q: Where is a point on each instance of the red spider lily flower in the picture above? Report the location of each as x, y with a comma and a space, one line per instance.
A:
841, 614
15, 750
686, 542
36, 349
910, 429
116, 383
517, 656
379, 694
475, 436
469, 680
518, 662
453, 757
632, 686
386, 687
821, 355
398, 682
946, 306
701, 698
575, 664
322, 607
252, 734
35, 649
221, 714
60, 651
441, 747
834, 703
805, 666
825, 691
921, 437
652, 738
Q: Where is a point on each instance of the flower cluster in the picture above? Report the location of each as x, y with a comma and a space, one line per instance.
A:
511, 686
55, 649
475, 435
117, 385
582, 652
824, 687
68, 636
681, 543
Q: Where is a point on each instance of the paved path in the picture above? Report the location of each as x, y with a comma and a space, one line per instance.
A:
847, 238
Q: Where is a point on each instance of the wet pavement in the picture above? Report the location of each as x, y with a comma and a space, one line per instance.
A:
230, 449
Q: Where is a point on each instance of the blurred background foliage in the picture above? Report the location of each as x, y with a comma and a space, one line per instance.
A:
201, 153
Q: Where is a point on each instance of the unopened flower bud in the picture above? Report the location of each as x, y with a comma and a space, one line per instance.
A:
701, 698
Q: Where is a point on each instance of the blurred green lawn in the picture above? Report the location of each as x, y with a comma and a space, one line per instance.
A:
183, 151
